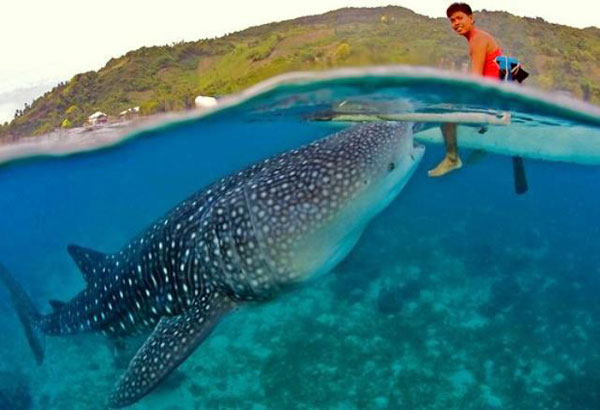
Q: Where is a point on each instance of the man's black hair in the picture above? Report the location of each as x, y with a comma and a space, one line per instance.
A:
454, 7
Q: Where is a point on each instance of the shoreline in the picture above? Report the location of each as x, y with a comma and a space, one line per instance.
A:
84, 139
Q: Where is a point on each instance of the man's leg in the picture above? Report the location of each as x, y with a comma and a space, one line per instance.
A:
451, 161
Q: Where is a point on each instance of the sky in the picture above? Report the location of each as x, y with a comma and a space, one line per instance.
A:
43, 42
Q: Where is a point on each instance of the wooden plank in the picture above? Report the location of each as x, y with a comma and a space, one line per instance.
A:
457, 118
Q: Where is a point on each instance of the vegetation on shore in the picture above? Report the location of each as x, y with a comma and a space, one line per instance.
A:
166, 78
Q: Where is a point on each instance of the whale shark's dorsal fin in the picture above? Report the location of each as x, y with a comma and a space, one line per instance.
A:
56, 304
91, 263
174, 338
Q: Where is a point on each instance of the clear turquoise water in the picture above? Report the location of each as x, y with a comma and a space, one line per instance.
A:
461, 294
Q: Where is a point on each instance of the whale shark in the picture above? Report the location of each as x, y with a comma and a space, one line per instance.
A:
245, 238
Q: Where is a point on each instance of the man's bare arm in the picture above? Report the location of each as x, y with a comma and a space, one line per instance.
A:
478, 48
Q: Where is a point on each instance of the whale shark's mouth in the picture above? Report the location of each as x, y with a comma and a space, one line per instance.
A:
417, 152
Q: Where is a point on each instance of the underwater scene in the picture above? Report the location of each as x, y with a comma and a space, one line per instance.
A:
400, 291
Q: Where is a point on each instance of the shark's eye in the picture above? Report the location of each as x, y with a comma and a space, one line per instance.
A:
391, 166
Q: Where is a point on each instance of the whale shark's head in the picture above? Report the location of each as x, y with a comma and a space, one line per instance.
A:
371, 164
310, 205
377, 160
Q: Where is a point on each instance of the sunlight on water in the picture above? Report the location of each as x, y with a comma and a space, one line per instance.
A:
461, 294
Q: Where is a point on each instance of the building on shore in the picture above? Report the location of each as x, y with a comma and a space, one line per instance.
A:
129, 113
97, 118
203, 101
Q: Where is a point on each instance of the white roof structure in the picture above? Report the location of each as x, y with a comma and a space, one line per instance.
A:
131, 110
96, 115
202, 101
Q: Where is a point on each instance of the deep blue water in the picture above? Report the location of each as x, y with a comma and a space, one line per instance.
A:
461, 294
102, 199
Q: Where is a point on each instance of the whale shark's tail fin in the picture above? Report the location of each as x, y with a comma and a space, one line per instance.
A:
28, 314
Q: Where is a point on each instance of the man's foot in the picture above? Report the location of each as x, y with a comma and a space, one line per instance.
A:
445, 166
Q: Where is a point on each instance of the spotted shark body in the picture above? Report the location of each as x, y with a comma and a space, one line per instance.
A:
245, 238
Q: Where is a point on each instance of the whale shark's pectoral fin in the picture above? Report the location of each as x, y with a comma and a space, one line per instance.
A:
171, 342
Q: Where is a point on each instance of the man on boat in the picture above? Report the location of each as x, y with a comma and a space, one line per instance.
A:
483, 50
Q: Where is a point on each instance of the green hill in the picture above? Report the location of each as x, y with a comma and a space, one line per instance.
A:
169, 77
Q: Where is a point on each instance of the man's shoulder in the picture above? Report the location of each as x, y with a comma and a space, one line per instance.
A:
481, 38
484, 36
